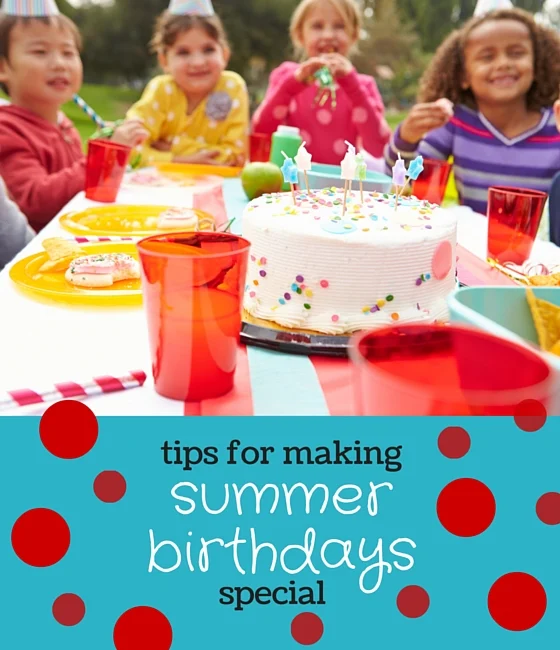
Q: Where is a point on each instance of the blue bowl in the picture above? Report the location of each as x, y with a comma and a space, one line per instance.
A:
322, 176
502, 311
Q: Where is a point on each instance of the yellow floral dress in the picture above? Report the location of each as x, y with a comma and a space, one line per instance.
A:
219, 123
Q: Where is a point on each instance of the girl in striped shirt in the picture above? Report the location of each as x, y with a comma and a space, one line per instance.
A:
489, 99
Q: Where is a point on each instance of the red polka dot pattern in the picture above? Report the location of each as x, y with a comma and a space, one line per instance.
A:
517, 602
69, 610
68, 429
307, 628
413, 601
548, 508
40, 537
109, 486
530, 415
454, 442
466, 507
143, 628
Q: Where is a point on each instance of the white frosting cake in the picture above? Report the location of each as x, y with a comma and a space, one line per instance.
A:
313, 268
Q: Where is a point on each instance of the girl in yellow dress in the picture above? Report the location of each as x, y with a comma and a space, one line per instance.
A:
197, 112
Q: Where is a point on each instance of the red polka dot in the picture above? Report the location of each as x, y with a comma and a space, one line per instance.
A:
143, 628
68, 429
69, 610
517, 601
441, 261
40, 537
530, 415
466, 507
454, 442
307, 628
413, 601
548, 508
109, 486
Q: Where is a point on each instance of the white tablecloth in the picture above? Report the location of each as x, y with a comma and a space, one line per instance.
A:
42, 343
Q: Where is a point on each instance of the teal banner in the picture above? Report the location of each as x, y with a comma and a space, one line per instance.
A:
186, 533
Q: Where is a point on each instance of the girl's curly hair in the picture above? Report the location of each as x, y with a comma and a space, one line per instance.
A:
445, 73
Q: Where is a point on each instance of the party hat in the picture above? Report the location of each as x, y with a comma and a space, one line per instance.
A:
485, 6
30, 8
191, 7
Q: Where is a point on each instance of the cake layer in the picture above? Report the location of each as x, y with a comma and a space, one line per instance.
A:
315, 268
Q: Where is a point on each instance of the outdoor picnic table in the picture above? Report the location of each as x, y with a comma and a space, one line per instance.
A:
44, 343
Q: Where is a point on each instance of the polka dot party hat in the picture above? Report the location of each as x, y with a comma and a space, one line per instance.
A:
30, 8
192, 7
484, 6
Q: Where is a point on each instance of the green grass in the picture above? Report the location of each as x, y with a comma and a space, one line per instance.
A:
108, 102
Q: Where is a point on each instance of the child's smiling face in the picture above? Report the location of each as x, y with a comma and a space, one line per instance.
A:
44, 69
499, 62
195, 61
324, 30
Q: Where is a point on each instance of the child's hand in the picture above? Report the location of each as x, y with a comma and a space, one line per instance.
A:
557, 113
338, 64
307, 69
131, 133
200, 158
161, 145
424, 118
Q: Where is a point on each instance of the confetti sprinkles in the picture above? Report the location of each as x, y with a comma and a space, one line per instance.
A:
423, 278
379, 306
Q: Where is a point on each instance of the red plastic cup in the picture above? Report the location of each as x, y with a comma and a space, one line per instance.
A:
514, 216
446, 370
260, 144
105, 168
432, 182
193, 287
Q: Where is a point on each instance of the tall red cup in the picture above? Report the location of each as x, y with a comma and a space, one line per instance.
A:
446, 370
514, 216
105, 168
193, 287
432, 182
259, 147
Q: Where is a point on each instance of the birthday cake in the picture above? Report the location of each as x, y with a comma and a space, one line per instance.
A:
316, 267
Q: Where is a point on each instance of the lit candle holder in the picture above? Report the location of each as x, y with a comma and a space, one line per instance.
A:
289, 171
303, 162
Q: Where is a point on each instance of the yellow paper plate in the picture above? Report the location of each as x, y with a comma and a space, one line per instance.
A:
123, 220
193, 170
53, 286
173, 177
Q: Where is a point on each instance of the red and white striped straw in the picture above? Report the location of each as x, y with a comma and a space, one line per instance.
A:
96, 386
85, 240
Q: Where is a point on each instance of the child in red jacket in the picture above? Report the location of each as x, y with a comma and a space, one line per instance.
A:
41, 157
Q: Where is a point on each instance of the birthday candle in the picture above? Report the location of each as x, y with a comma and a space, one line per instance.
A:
289, 171
348, 170
303, 162
361, 173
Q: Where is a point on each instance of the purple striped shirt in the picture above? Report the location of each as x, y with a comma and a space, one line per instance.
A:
484, 157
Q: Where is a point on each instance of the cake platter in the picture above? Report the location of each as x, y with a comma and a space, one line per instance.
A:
269, 335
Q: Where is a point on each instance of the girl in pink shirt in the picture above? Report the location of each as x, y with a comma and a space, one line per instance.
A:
324, 31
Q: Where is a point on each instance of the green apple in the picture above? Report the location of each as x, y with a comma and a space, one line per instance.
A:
260, 178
